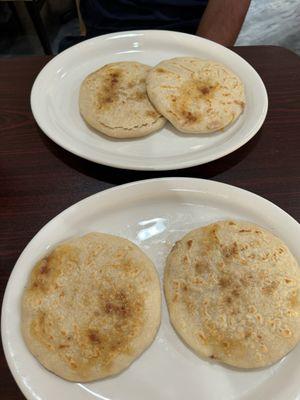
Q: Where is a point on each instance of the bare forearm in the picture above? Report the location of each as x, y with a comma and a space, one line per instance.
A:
222, 20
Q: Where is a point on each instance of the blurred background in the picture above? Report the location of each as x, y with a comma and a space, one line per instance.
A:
42, 26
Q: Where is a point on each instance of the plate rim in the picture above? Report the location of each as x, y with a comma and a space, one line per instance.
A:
34, 104
174, 181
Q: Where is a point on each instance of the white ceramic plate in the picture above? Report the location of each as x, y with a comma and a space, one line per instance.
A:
54, 102
153, 214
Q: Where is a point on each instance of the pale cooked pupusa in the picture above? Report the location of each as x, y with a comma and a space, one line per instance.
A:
91, 307
196, 96
114, 101
233, 294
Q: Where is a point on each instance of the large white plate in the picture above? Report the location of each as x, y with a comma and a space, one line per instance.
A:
153, 214
54, 102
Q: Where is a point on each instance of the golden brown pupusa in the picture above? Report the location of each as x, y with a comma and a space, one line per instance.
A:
233, 293
114, 101
91, 307
196, 96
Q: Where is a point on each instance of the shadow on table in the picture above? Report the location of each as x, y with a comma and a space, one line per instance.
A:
117, 176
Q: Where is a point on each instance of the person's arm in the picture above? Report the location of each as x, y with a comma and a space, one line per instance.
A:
222, 20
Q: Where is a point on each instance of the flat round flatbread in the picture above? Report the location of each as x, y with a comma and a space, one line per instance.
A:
233, 294
114, 101
196, 96
91, 307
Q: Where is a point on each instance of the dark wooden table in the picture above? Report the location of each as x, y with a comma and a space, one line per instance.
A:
39, 179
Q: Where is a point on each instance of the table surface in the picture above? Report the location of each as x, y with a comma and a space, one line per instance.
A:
39, 179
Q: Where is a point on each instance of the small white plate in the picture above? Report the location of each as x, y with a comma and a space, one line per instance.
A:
153, 214
54, 102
